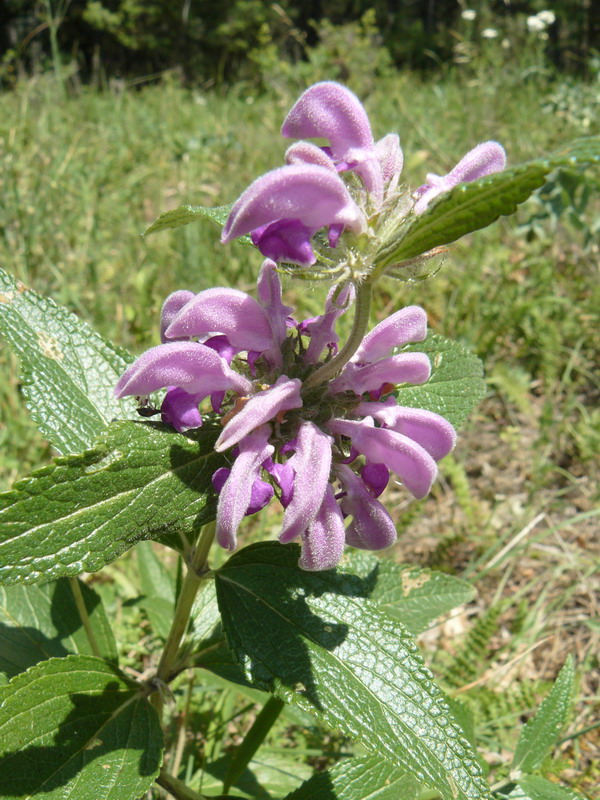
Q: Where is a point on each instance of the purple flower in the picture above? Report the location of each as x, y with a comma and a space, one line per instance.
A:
330, 111
286, 207
324, 451
485, 159
314, 210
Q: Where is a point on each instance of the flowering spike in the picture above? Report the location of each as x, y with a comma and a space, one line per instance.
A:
311, 463
260, 408
323, 540
485, 159
228, 311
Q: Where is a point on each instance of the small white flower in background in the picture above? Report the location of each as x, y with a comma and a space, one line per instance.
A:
469, 14
505, 44
547, 17
489, 33
535, 24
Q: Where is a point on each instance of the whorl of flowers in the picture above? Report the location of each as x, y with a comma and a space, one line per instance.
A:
340, 205
318, 428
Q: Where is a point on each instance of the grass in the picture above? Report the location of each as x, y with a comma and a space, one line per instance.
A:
515, 510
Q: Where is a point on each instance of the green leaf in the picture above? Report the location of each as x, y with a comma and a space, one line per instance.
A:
142, 481
456, 384
414, 596
39, 622
315, 639
471, 206
533, 787
158, 587
186, 214
370, 778
77, 727
541, 733
68, 372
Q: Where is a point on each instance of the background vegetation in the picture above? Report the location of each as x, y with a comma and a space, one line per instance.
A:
86, 166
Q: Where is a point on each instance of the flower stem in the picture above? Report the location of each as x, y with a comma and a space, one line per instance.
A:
177, 788
252, 741
197, 570
85, 617
362, 310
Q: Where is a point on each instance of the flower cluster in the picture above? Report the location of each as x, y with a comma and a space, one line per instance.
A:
336, 204
317, 428
324, 449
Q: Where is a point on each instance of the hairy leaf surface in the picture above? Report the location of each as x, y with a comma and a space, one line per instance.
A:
69, 371
77, 727
315, 639
456, 384
414, 596
142, 481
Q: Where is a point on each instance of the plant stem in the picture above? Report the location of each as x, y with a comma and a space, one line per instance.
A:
177, 788
252, 741
362, 310
85, 617
197, 570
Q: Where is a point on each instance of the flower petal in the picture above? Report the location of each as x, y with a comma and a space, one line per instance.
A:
404, 326
236, 495
331, 111
263, 406
191, 366
261, 496
376, 477
180, 409
285, 240
390, 156
322, 329
284, 475
403, 368
323, 540
171, 307
268, 289
371, 527
485, 159
311, 194
428, 429
411, 462
235, 314
308, 153
311, 463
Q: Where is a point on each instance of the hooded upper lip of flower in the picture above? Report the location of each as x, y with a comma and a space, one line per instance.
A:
285, 207
485, 159
272, 427
330, 111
